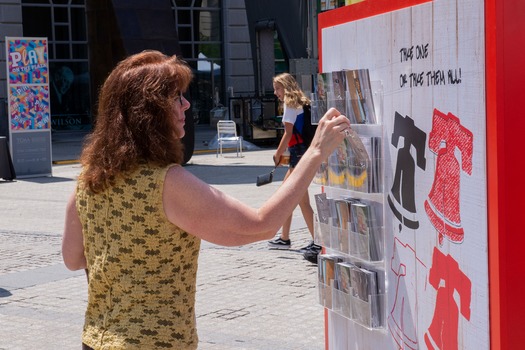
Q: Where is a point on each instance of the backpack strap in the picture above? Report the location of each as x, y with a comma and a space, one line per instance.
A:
296, 133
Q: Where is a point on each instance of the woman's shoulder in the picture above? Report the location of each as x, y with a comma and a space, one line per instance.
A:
297, 109
147, 172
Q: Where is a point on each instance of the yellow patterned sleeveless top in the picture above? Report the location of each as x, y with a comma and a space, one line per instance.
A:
142, 268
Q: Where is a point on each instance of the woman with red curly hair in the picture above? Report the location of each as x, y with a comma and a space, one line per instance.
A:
137, 217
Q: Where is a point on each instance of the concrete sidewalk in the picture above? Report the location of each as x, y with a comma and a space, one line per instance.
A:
248, 297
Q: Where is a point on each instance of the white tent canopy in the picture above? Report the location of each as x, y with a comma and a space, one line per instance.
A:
203, 65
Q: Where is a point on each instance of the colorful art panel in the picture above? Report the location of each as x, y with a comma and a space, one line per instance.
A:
29, 107
27, 61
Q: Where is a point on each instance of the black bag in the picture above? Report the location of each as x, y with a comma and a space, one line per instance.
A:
308, 132
265, 179
7, 170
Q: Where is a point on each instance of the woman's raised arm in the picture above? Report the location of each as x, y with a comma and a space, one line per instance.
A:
206, 212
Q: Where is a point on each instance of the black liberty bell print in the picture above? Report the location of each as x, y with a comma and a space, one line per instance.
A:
401, 197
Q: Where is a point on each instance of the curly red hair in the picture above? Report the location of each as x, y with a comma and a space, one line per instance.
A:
135, 120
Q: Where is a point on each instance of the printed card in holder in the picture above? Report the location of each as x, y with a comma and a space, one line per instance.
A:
361, 157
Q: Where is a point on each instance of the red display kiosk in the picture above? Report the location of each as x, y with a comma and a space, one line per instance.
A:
454, 69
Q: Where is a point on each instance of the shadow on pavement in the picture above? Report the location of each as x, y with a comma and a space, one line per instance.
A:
4, 293
232, 174
46, 179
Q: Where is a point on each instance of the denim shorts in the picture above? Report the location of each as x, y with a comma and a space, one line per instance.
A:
296, 152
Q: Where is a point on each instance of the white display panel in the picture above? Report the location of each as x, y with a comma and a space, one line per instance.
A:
430, 60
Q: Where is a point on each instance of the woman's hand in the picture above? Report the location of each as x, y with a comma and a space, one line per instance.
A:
330, 132
277, 159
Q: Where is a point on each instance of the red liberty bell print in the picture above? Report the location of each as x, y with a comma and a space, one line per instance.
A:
448, 280
442, 205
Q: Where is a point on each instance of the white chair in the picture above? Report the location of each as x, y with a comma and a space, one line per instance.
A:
227, 133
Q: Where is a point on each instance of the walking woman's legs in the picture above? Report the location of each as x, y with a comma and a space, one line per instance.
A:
285, 233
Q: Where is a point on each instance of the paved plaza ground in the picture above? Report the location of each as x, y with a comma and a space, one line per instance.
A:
248, 297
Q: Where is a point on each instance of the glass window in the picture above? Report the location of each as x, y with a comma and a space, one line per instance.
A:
281, 64
186, 50
200, 34
69, 90
64, 24
78, 24
61, 14
210, 50
62, 32
185, 33
62, 51
210, 3
209, 26
183, 17
37, 22
80, 51
183, 3
35, 1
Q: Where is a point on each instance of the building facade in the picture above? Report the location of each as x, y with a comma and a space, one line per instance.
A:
87, 37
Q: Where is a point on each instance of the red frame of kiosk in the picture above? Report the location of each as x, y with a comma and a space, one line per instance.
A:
505, 73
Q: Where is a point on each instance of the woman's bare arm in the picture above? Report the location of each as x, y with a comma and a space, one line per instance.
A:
72, 239
216, 217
